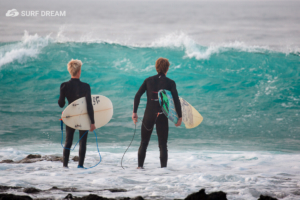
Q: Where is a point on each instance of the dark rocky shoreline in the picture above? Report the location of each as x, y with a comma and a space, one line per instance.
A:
31, 158
200, 195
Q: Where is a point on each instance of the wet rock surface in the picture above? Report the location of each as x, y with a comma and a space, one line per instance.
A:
262, 197
4, 188
14, 197
31, 190
201, 195
31, 158
117, 190
75, 158
7, 161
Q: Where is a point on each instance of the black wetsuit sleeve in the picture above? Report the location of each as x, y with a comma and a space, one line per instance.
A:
62, 96
176, 99
138, 95
89, 105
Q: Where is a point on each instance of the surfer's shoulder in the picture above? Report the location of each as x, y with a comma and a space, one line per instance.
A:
63, 85
170, 80
149, 78
86, 85
153, 77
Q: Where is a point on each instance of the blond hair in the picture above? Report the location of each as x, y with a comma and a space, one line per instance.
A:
74, 67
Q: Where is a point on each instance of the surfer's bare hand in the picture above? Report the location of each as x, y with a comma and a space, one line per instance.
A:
134, 118
179, 122
93, 127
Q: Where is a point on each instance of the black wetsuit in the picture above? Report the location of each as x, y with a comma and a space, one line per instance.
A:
73, 90
153, 84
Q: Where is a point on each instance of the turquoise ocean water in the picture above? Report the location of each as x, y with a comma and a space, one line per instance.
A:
249, 96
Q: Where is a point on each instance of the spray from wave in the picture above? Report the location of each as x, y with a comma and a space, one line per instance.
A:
31, 46
194, 50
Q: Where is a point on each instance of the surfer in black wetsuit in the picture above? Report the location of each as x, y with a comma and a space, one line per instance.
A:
72, 90
153, 113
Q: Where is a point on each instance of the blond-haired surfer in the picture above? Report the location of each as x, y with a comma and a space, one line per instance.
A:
73, 90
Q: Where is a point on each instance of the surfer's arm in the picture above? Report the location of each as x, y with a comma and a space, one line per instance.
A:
176, 100
89, 105
62, 96
179, 122
138, 95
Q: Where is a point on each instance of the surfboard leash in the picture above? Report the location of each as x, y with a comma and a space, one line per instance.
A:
62, 137
134, 135
128, 146
153, 124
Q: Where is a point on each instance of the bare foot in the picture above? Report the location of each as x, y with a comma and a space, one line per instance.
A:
140, 167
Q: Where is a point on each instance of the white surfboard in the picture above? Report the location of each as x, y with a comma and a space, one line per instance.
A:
190, 116
75, 115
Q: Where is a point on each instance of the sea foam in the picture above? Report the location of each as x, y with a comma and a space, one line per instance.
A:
242, 175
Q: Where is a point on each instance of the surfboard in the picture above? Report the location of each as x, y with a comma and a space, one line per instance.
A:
75, 115
190, 116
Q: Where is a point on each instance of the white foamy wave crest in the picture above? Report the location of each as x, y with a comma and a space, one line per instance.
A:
194, 50
293, 50
173, 40
30, 46
205, 53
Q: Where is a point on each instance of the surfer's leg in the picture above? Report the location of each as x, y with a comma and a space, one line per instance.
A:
162, 129
147, 127
68, 143
82, 146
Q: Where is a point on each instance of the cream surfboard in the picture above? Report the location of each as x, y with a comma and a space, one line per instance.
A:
75, 115
190, 116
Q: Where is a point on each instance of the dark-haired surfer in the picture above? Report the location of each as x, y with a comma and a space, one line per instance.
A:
152, 85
